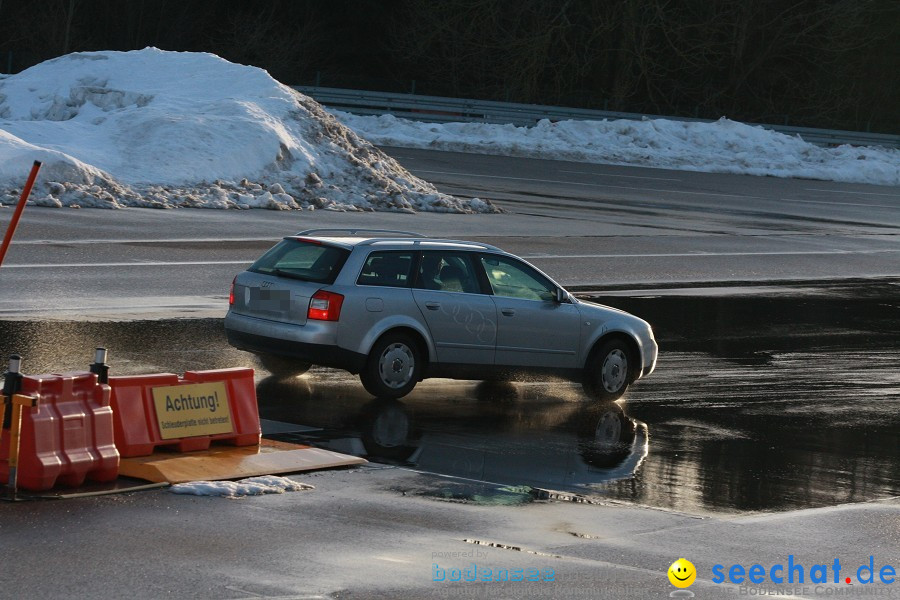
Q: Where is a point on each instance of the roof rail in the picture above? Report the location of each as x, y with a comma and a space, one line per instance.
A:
354, 231
437, 241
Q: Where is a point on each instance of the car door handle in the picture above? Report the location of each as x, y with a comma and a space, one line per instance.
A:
432, 305
508, 311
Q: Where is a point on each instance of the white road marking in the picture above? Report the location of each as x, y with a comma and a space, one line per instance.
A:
846, 192
623, 176
598, 185
127, 264
847, 204
709, 254
156, 240
528, 256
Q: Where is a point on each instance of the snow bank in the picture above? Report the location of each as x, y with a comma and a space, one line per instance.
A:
721, 147
253, 486
166, 129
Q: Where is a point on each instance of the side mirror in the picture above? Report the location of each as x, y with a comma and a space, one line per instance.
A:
561, 295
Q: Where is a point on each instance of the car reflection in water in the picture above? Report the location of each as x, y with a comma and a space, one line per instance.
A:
491, 432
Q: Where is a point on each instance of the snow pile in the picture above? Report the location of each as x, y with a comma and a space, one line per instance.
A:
166, 129
253, 486
721, 147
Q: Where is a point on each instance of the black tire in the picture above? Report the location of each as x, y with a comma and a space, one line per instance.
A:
283, 366
393, 367
609, 371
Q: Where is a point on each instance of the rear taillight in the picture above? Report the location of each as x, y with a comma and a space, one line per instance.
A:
325, 306
231, 293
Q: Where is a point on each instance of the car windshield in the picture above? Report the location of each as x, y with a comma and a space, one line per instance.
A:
307, 261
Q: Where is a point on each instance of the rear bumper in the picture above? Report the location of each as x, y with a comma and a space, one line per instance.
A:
312, 343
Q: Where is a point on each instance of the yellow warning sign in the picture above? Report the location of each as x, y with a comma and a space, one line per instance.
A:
192, 410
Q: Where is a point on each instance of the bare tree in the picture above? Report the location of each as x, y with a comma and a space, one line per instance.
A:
68, 27
261, 37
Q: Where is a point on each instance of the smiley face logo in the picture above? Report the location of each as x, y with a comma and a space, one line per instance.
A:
682, 573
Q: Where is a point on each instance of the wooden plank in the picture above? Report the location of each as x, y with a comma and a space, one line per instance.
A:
234, 462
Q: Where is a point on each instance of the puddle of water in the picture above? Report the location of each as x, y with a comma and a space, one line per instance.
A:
482, 494
758, 403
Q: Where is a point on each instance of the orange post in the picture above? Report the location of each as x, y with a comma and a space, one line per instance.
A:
15, 432
3, 402
26, 191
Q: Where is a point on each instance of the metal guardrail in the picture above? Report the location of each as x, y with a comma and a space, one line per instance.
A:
439, 109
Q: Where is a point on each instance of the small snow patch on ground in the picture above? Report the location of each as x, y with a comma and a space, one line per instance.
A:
253, 486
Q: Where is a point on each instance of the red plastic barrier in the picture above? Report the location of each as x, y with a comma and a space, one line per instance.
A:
68, 437
139, 418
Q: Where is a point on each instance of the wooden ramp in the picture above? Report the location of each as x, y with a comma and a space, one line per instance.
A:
233, 462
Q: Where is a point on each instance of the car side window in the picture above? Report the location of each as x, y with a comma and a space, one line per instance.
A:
391, 269
512, 279
447, 272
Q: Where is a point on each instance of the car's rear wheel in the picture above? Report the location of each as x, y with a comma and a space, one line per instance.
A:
283, 366
608, 371
393, 367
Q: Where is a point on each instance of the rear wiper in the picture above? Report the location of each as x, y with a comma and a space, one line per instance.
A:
290, 275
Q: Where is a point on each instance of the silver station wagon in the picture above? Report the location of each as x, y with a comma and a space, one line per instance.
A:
397, 307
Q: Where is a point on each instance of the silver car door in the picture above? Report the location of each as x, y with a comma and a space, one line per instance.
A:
461, 318
533, 329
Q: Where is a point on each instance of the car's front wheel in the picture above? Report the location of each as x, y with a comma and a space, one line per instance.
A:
393, 367
283, 366
607, 373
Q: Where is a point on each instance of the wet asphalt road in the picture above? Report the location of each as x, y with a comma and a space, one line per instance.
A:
776, 400
767, 398
597, 227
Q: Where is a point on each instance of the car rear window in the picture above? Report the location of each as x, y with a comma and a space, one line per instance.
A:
390, 269
307, 261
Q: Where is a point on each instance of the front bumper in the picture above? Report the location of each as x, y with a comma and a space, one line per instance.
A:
651, 353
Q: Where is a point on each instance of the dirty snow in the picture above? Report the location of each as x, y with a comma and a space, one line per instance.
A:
723, 146
253, 486
165, 129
